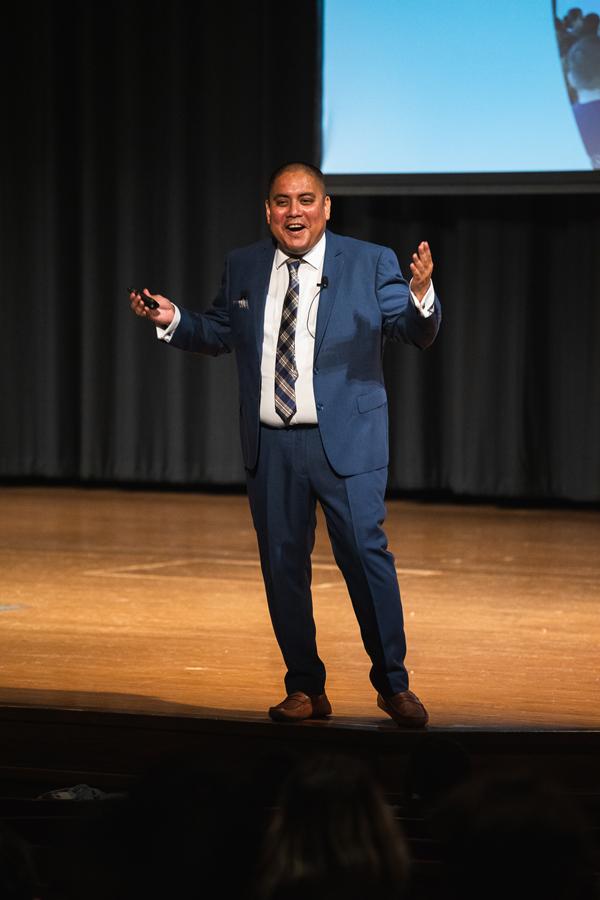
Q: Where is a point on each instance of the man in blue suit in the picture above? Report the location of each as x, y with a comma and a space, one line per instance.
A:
307, 314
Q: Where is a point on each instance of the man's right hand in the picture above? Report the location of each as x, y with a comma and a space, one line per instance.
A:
162, 316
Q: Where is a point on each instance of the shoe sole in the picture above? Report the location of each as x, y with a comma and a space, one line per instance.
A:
278, 716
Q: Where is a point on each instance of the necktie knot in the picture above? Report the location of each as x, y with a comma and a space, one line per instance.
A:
293, 265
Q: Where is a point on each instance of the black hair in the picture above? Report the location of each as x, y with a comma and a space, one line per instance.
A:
297, 164
332, 828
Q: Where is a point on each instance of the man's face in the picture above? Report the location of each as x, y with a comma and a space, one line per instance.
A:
297, 211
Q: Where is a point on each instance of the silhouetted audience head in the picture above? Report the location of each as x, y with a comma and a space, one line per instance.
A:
18, 878
514, 836
332, 835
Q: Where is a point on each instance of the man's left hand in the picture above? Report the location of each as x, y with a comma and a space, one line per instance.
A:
421, 268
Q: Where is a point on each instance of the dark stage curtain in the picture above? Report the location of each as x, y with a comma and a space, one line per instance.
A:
507, 401
137, 140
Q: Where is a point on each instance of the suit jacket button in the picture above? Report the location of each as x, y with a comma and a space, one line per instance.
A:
315, 370
319, 406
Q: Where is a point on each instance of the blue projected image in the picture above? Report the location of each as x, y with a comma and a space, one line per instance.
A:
429, 87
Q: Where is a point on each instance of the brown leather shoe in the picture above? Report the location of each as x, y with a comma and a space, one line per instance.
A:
405, 708
298, 706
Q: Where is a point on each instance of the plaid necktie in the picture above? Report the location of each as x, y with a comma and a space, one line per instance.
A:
286, 372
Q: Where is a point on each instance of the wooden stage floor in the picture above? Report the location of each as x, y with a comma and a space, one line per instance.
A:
152, 603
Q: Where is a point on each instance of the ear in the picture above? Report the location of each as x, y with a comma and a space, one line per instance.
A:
268, 212
327, 204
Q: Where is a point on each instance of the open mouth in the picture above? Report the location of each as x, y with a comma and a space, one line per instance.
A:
294, 227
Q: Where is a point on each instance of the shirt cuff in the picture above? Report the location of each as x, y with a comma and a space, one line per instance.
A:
165, 334
425, 306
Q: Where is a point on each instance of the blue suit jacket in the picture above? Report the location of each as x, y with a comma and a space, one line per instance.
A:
367, 301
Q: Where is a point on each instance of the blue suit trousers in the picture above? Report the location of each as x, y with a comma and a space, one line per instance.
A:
292, 473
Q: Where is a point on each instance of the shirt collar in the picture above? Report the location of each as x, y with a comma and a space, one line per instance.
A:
314, 257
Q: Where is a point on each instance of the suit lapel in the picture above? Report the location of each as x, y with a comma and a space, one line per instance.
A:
333, 265
260, 286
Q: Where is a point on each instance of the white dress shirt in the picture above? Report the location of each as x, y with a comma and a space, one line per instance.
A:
309, 275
